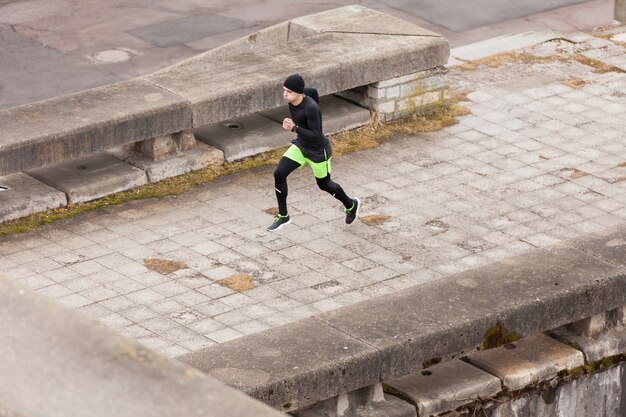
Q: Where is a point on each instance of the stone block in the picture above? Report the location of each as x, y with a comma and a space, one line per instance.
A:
91, 370
21, 195
337, 114
184, 140
589, 326
91, 177
347, 405
620, 10
288, 368
445, 387
75, 125
393, 92
617, 316
156, 149
385, 107
163, 147
199, 156
532, 359
391, 407
245, 136
608, 343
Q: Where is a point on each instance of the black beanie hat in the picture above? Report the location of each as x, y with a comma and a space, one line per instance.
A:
295, 83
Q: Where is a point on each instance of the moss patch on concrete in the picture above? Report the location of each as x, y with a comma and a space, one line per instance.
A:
497, 336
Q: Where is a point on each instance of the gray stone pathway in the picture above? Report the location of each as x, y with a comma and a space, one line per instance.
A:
541, 159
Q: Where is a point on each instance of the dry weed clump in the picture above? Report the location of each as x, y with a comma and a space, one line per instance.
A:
374, 219
163, 266
238, 282
500, 59
575, 82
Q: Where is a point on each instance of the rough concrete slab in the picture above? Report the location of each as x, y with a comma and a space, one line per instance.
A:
237, 76
91, 177
186, 29
244, 136
67, 127
201, 156
610, 247
609, 343
337, 114
503, 43
362, 20
21, 195
529, 360
273, 35
474, 14
445, 387
70, 74
453, 315
58, 363
288, 369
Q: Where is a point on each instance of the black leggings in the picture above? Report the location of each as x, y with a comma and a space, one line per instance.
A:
285, 167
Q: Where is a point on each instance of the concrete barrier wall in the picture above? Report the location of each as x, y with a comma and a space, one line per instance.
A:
344, 48
56, 363
401, 333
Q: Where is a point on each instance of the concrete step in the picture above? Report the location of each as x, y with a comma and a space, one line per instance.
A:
261, 132
445, 387
527, 361
90, 177
200, 156
21, 195
244, 136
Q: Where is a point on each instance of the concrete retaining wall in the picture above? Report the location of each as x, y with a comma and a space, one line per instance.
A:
401, 333
601, 394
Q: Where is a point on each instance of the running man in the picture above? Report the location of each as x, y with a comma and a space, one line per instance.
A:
310, 147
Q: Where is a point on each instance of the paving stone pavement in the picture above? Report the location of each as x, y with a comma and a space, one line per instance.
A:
540, 159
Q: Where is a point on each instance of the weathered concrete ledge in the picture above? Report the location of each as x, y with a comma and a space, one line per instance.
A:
79, 124
57, 363
397, 334
235, 80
